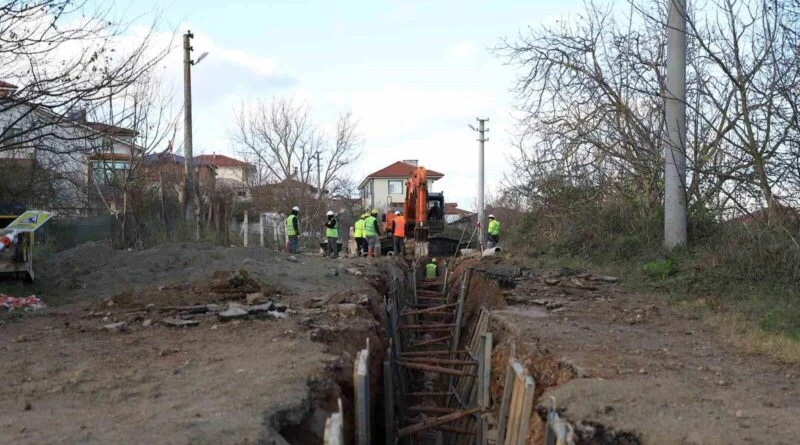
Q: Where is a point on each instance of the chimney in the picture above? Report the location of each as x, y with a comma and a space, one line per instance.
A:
413, 162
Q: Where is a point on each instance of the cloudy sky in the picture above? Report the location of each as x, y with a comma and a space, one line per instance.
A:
414, 73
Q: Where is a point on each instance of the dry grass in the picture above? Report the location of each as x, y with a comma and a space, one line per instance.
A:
749, 338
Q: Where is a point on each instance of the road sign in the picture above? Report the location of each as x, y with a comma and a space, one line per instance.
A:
30, 221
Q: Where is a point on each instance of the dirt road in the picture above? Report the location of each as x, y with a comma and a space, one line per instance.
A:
70, 379
628, 368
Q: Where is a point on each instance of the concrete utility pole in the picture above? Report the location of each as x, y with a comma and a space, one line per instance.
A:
188, 180
675, 107
481, 207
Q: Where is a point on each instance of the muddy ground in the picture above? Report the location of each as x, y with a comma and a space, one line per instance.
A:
627, 368
269, 376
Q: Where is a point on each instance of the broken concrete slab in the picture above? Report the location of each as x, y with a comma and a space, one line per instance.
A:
605, 278
120, 326
551, 281
280, 307
261, 308
179, 323
233, 313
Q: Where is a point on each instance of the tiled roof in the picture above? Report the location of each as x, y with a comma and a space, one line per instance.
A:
401, 169
219, 161
111, 129
451, 208
163, 157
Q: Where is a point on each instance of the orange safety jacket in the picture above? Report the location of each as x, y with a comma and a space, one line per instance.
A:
400, 226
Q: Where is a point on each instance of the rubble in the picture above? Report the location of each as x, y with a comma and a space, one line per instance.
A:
179, 323
255, 298
233, 313
117, 327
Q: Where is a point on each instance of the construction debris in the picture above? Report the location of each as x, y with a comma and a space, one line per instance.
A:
179, 323
30, 303
118, 327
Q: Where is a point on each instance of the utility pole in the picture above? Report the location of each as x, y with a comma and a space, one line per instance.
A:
675, 113
188, 181
481, 207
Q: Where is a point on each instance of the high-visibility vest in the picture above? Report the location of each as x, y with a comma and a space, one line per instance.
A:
334, 231
358, 231
400, 226
290, 225
430, 270
369, 227
494, 227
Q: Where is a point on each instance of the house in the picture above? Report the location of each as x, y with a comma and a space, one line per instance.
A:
387, 187
229, 168
231, 174
452, 213
57, 148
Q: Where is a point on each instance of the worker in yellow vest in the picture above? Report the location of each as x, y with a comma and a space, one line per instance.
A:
398, 232
358, 234
494, 231
293, 229
372, 232
431, 269
332, 233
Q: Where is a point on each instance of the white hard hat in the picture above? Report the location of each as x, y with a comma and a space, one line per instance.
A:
330, 213
296, 209
396, 212
491, 216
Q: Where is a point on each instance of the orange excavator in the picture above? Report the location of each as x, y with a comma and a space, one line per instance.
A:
425, 222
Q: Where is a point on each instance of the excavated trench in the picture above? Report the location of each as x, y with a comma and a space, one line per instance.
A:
304, 422
490, 281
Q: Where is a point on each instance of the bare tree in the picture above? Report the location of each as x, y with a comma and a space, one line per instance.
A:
287, 147
59, 56
591, 100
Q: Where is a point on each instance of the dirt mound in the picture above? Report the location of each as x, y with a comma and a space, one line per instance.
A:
96, 271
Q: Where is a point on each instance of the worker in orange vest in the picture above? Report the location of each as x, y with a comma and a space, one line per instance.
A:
399, 233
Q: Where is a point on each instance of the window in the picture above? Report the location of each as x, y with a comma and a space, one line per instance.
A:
106, 172
396, 187
11, 136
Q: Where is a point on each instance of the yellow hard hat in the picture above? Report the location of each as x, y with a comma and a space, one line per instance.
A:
374, 211
364, 215
433, 260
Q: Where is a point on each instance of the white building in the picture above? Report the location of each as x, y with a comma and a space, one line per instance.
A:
387, 187
58, 152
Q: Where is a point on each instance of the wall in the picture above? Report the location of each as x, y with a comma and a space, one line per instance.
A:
381, 188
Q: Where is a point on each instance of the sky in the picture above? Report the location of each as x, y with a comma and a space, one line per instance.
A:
415, 74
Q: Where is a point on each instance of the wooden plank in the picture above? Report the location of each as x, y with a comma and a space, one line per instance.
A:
505, 403
432, 341
431, 409
527, 407
442, 361
486, 371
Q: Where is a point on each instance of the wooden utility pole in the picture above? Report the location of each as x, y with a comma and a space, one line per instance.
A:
188, 180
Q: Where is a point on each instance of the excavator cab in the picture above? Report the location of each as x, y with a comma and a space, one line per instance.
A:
436, 219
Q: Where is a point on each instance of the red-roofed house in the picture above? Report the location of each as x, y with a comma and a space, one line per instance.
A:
387, 186
228, 168
452, 213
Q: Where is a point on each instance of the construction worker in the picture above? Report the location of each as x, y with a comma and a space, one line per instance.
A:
371, 232
293, 229
358, 234
431, 269
398, 232
332, 233
494, 231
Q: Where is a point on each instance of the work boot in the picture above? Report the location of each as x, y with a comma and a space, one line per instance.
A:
371, 252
